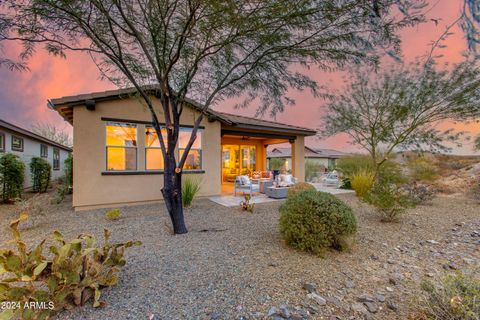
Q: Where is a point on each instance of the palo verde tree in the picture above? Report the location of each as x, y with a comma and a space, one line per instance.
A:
209, 50
399, 108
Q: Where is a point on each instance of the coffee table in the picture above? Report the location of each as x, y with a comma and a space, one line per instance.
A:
276, 192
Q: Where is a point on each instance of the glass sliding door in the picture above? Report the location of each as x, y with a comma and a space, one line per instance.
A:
237, 160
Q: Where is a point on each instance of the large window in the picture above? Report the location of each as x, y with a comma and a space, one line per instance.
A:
194, 158
56, 159
121, 146
44, 151
2, 142
17, 143
153, 151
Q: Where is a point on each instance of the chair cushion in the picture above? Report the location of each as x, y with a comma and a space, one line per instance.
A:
285, 180
266, 174
244, 180
256, 175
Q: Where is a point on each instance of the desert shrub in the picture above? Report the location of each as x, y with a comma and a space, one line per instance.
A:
422, 169
70, 274
245, 205
68, 173
454, 297
12, 173
346, 184
419, 193
313, 221
299, 186
475, 189
362, 182
35, 207
391, 172
190, 188
312, 169
350, 165
41, 171
389, 199
113, 214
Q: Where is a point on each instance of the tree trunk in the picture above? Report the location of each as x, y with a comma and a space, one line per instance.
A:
172, 194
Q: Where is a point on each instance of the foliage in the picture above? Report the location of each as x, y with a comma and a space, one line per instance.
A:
113, 214
418, 193
12, 172
71, 274
455, 297
399, 108
362, 182
210, 50
349, 165
346, 184
54, 133
190, 188
68, 165
35, 207
422, 169
41, 171
312, 169
389, 199
313, 221
298, 187
276, 164
245, 204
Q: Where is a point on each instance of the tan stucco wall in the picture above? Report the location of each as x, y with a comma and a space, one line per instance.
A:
92, 189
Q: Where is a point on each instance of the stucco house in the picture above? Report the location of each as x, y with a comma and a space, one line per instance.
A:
27, 145
324, 157
118, 160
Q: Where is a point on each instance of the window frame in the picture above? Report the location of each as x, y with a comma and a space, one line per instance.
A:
43, 147
154, 148
120, 123
22, 142
56, 162
200, 150
3, 142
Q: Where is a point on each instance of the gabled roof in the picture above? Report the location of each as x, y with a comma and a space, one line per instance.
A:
20, 131
309, 153
64, 106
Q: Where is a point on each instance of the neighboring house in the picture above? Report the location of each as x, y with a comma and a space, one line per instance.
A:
324, 157
27, 145
118, 159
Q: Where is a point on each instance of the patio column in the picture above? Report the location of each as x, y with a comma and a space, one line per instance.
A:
298, 158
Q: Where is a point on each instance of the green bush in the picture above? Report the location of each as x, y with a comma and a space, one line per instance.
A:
389, 199
69, 173
276, 164
422, 169
455, 297
313, 221
190, 188
350, 165
299, 186
362, 182
312, 169
113, 214
41, 171
12, 174
72, 273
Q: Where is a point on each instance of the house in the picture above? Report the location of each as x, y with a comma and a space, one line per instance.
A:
27, 145
324, 157
118, 160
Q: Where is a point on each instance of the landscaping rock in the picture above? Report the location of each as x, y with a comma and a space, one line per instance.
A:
371, 307
310, 287
317, 298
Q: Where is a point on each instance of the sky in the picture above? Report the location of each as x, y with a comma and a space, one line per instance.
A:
23, 95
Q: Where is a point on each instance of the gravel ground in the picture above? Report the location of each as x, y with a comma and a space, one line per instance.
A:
240, 269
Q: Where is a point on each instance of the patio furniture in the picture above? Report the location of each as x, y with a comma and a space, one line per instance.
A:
244, 183
331, 179
264, 184
276, 192
285, 180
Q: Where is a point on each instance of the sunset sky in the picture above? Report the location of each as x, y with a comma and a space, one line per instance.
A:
23, 96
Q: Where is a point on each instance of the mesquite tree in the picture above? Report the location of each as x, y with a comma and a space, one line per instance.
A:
209, 50
399, 108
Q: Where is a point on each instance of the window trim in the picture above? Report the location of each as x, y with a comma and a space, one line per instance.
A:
199, 130
147, 126
3, 146
22, 143
56, 168
129, 124
46, 150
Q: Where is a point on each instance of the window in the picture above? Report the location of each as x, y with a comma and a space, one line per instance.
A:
2, 142
43, 151
56, 159
153, 151
194, 158
17, 143
121, 146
